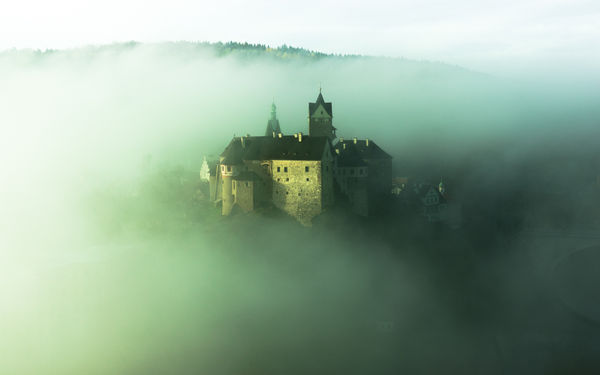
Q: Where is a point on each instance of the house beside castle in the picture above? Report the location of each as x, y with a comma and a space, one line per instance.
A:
301, 174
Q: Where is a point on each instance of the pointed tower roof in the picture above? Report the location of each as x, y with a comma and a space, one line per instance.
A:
312, 107
273, 111
273, 123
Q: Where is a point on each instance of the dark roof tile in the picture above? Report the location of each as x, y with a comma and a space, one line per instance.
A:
274, 148
370, 151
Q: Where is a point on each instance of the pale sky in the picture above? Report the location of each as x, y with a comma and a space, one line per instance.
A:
493, 36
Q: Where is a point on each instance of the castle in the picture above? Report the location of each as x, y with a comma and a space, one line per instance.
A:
303, 175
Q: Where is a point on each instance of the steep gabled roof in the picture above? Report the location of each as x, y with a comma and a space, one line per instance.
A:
312, 107
350, 157
370, 151
270, 148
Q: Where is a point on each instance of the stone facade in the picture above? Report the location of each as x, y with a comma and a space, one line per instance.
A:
303, 188
243, 193
352, 182
294, 173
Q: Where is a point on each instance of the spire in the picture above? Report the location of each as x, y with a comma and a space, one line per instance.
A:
273, 110
273, 123
320, 99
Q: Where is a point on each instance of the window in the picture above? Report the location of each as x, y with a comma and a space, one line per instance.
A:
299, 194
352, 171
247, 184
360, 171
285, 169
306, 168
307, 179
327, 168
229, 168
278, 179
287, 192
278, 169
287, 179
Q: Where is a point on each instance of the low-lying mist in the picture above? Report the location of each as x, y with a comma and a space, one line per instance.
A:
112, 261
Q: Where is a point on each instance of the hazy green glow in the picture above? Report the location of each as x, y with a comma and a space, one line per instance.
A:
78, 298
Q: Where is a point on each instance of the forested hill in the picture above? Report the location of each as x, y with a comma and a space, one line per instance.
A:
242, 51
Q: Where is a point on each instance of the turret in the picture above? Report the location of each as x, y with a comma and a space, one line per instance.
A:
320, 116
273, 123
227, 172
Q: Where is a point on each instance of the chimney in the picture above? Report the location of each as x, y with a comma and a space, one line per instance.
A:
280, 135
355, 140
367, 142
300, 137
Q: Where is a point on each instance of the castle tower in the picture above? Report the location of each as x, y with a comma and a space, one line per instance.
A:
273, 124
227, 178
320, 118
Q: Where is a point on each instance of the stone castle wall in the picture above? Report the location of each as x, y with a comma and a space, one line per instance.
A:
243, 192
327, 170
353, 182
380, 176
297, 188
